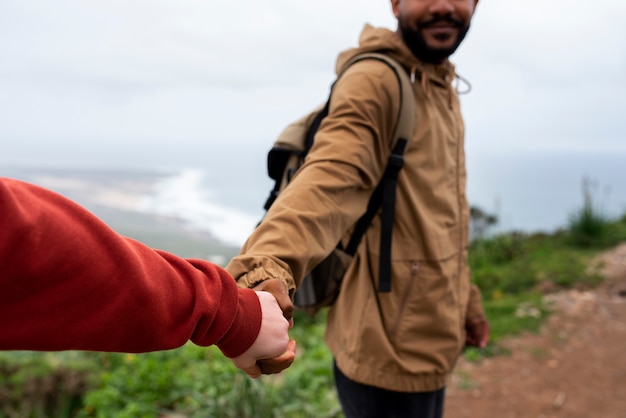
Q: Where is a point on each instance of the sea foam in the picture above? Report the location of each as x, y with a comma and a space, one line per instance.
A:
185, 195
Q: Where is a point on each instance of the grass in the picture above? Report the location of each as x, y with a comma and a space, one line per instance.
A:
42, 385
589, 227
199, 382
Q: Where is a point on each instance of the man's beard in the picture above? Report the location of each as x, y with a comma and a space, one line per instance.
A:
417, 44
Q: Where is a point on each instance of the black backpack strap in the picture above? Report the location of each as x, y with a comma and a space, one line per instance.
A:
389, 182
384, 195
310, 135
277, 160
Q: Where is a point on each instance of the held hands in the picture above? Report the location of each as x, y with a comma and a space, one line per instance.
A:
277, 364
277, 288
272, 341
272, 351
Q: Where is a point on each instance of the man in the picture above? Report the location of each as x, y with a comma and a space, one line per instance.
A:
70, 282
393, 350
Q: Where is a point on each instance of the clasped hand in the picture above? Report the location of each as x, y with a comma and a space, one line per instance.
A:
272, 351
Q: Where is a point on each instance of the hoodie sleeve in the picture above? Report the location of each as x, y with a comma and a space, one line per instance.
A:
70, 282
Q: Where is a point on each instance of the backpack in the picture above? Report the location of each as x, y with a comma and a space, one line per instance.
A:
321, 286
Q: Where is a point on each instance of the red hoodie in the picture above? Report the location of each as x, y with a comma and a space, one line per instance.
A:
67, 281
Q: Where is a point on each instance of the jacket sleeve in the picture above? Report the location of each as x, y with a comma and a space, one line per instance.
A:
331, 190
70, 282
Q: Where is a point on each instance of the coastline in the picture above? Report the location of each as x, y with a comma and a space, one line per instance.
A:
118, 196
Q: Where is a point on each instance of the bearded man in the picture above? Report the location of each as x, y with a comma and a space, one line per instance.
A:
395, 349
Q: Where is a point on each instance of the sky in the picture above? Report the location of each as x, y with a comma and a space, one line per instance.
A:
547, 76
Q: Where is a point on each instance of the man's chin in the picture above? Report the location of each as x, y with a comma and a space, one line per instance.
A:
434, 55
441, 49
446, 34
441, 43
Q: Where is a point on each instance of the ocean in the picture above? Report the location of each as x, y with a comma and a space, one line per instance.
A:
540, 191
221, 188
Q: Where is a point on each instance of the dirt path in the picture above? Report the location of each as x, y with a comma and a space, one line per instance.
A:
575, 367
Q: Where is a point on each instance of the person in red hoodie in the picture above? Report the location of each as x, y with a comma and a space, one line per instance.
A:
69, 282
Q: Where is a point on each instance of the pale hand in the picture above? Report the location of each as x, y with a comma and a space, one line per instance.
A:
273, 338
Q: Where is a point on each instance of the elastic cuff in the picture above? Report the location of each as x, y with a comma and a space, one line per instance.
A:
246, 325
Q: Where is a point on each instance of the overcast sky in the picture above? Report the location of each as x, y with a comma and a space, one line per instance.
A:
546, 74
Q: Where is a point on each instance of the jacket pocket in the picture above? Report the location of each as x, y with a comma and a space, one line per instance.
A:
423, 313
405, 296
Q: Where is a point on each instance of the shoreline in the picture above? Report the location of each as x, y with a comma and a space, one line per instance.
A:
118, 197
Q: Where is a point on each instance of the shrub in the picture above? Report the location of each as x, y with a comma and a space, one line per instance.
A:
41, 385
589, 226
500, 249
199, 382
192, 381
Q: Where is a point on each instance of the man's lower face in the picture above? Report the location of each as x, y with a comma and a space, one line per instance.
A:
434, 42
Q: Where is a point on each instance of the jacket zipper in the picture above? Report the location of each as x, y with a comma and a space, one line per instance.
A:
415, 265
460, 205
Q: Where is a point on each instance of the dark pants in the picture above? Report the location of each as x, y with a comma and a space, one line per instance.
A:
363, 401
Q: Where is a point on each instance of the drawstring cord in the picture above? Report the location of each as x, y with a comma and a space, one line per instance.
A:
459, 80
425, 84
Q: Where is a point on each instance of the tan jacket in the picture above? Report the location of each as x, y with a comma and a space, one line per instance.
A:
412, 342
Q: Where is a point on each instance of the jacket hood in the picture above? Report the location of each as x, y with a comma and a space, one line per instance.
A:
385, 41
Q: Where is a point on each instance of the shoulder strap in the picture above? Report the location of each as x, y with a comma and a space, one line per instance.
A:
385, 193
404, 123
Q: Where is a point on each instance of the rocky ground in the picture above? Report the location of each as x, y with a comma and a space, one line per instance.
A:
575, 367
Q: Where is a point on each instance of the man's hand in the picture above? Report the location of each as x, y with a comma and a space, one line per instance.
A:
280, 363
272, 341
477, 331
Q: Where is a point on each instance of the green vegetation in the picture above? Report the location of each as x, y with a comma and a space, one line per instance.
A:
512, 269
187, 382
42, 385
589, 227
